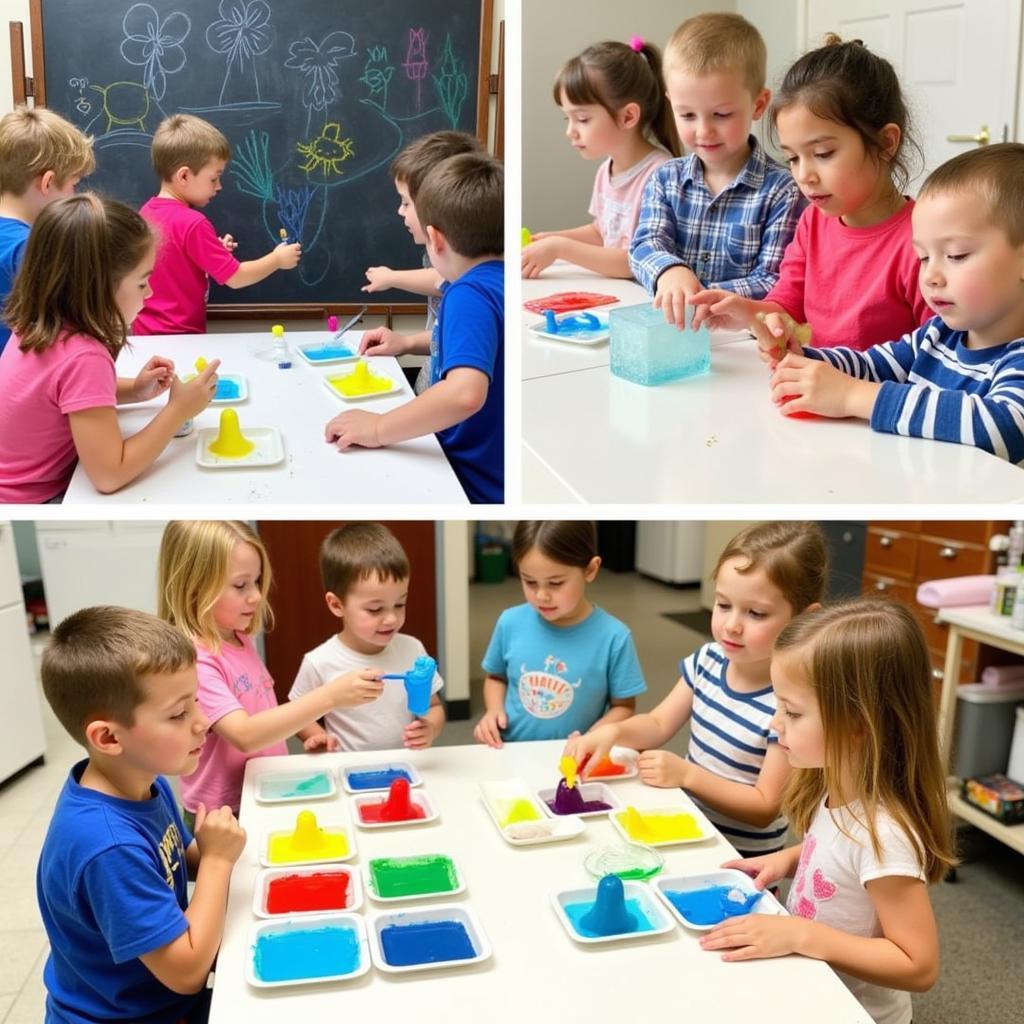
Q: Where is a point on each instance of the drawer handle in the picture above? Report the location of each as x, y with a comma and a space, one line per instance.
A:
947, 552
881, 586
886, 542
937, 673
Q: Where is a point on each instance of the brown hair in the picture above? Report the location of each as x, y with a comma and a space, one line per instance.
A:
358, 551
78, 252
792, 555
183, 140
463, 197
193, 571
34, 140
612, 74
867, 663
848, 84
96, 659
995, 174
411, 166
717, 42
565, 541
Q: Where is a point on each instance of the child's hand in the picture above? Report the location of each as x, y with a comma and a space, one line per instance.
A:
381, 341
594, 745
228, 242
756, 936
539, 255
360, 686
321, 742
153, 379
766, 870
776, 334
674, 289
418, 734
721, 309
800, 384
355, 427
218, 834
488, 729
287, 254
379, 278
662, 768
192, 396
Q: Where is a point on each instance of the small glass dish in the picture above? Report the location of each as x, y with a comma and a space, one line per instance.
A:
630, 861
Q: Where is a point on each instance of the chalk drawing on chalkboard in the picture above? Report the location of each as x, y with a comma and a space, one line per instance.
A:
154, 45
377, 76
416, 64
317, 62
451, 84
326, 153
243, 33
125, 104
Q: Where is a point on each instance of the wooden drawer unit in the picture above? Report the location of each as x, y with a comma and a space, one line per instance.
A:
890, 552
940, 558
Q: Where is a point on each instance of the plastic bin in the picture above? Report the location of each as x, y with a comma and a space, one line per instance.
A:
492, 561
1016, 766
985, 717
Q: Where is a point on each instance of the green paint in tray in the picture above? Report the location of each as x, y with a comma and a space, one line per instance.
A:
412, 876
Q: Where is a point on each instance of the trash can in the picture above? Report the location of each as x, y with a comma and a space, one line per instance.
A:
491, 561
985, 717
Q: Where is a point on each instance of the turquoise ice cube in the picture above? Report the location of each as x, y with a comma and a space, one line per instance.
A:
647, 350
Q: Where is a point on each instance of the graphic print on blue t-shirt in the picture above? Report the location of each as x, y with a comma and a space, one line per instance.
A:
546, 693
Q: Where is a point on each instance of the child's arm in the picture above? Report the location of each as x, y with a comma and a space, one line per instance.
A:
769, 868
905, 956
184, 964
757, 805
582, 246
110, 460
382, 341
652, 252
248, 732
425, 281
494, 718
421, 732
282, 257
618, 711
585, 233
461, 393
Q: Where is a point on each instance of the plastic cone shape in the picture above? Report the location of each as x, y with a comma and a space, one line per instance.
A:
230, 444
397, 807
568, 801
609, 915
308, 835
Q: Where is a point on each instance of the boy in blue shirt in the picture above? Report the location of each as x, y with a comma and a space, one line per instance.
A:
42, 158
460, 206
125, 944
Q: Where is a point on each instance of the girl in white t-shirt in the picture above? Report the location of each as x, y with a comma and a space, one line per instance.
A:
613, 98
856, 718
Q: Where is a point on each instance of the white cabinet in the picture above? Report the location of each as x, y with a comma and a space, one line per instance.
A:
89, 563
21, 725
673, 552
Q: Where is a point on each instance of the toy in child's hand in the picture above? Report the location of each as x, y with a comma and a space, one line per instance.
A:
284, 235
525, 238
567, 766
418, 681
801, 332
201, 364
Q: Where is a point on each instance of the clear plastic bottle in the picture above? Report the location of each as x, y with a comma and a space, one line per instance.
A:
1017, 616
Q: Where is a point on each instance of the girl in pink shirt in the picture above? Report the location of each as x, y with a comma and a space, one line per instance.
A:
214, 580
84, 279
851, 271
613, 98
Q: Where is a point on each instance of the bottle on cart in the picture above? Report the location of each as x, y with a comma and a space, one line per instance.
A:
1017, 616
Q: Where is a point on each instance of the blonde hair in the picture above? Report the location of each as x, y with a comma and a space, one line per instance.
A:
792, 555
193, 572
183, 140
357, 552
78, 252
993, 173
34, 140
96, 659
867, 662
719, 42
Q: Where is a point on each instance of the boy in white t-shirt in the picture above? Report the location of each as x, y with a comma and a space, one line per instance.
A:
365, 573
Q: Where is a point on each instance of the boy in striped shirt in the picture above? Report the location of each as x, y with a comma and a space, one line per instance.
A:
960, 376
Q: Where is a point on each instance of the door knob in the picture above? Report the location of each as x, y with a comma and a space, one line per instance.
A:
981, 139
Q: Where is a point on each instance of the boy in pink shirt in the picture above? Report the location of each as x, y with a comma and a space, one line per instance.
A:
190, 156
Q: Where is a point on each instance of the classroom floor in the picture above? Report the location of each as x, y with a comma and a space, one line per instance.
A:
979, 916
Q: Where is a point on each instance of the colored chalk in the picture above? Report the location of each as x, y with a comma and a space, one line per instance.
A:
570, 801
201, 364
713, 904
284, 235
332, 323
428, 943
308, 842
307, 953
660, 827
317, 784
393, 878
398, 806
376, 780
326, 890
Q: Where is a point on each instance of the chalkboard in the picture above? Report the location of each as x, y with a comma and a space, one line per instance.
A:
316, 98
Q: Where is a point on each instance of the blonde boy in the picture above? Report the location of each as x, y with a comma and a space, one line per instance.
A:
726, 212
190, 156
365, 575
460, 206
408, 170
125, 942
42, 158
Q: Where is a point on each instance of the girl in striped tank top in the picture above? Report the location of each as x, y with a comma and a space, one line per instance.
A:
734, 769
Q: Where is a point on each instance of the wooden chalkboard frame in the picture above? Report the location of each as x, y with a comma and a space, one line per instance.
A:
24, 87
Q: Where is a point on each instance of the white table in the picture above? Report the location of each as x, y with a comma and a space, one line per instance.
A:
716, 438
296, 402
536, 971
973, 623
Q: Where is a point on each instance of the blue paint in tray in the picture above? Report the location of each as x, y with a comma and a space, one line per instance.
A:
576, 911
377, 780
308, 953
428, 942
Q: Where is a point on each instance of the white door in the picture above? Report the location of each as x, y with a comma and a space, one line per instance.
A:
956, 59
